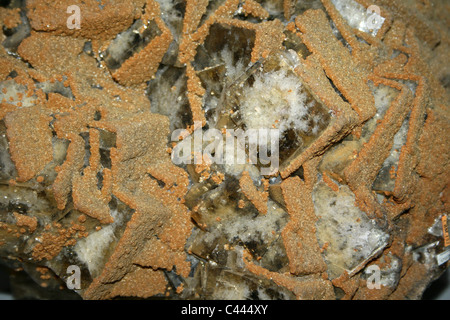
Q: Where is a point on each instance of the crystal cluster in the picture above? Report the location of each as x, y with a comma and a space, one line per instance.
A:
90, 118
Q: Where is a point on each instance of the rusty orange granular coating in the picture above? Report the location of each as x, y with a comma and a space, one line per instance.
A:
74, 162
218, 178
330, 182
131, 284
49, 245
324, 247
143, 65
314, 288
26, 221
40, 50
150, 202
257, 198
82, 218
29, 159
87, 198
45, 272
445, 231
180, 288
98, 22
316, 32
303, 251
255, 9
12, 18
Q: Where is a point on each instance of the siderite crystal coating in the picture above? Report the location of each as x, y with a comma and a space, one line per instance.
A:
358, 91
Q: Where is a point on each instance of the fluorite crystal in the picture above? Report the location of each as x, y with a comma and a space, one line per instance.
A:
94, 206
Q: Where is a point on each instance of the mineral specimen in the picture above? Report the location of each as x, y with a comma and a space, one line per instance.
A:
93, 205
